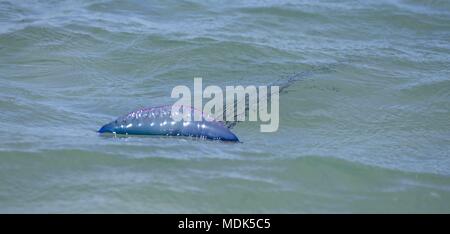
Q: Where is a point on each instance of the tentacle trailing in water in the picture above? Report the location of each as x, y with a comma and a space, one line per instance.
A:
283, 83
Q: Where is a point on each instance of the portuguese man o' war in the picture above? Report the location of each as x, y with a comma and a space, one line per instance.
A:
158, 121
